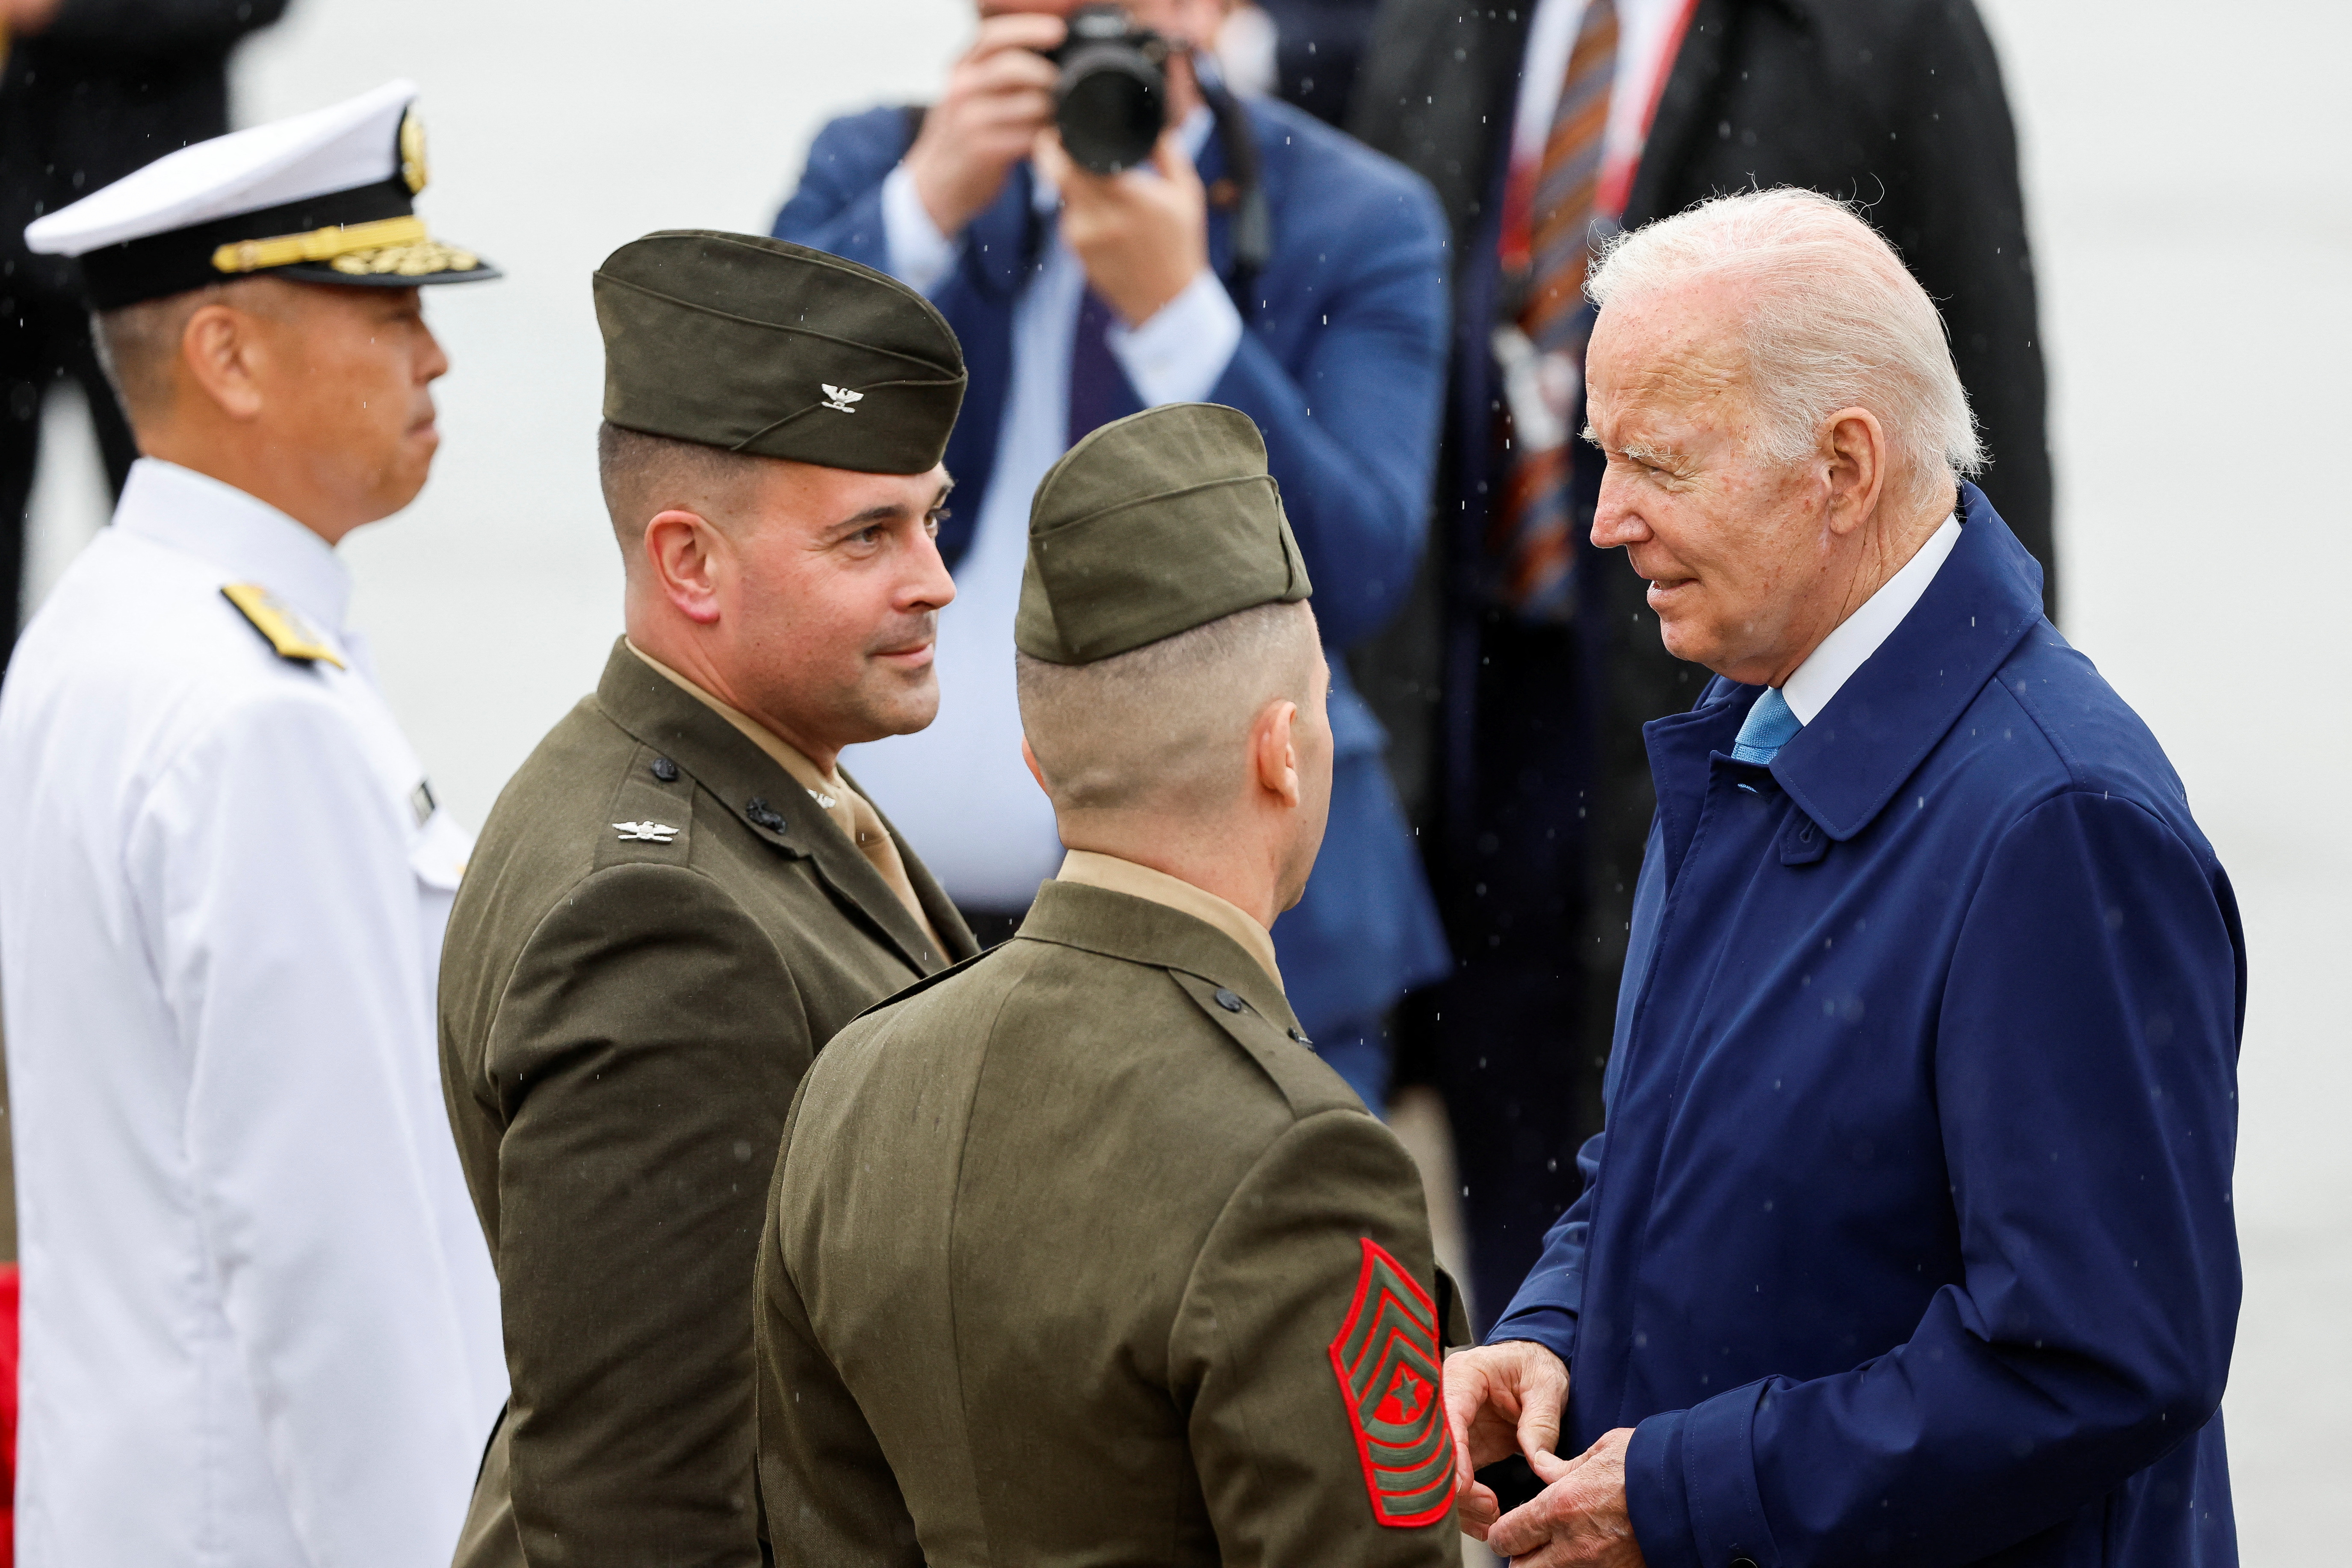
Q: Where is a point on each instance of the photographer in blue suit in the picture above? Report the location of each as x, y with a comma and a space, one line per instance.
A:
1263, 261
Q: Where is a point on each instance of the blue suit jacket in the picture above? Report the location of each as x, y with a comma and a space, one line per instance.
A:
1342, 366
1909, 1238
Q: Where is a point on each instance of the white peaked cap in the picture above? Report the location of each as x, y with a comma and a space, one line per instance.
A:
334, 149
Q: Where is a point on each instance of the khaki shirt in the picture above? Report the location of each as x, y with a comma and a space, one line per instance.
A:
1122, 876
842, 804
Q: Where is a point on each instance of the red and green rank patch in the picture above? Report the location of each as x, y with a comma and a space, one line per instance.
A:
1387, 1363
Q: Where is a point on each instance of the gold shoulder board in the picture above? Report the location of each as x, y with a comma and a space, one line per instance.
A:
288, 632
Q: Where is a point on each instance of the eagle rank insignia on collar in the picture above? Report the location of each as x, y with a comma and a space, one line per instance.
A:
288, 632
645, 832
1387, 1360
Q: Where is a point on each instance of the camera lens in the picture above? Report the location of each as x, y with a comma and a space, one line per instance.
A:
1112, 100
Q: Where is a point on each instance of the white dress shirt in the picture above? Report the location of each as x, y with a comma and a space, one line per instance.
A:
260, 1324
959, 789
1810, 686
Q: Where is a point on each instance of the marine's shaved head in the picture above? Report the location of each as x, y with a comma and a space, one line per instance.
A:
1165, 728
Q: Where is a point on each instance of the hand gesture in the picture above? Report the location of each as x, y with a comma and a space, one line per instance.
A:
1579, 1518
1141, 237
1500, 1400
998, 97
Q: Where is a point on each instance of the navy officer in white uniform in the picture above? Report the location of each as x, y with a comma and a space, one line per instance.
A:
261, 1326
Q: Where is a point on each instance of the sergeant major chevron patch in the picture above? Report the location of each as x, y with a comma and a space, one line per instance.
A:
1387, 1363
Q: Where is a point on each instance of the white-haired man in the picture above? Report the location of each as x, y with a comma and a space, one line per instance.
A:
1909, 1236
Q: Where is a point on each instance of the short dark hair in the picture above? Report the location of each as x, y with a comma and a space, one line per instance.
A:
137, 343
645, 475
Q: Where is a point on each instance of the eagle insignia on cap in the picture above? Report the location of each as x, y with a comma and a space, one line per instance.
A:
413, 172
1387, 1360
839, 398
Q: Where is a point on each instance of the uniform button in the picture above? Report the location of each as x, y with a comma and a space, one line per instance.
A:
1743, 1562
1229, 1002
665, 770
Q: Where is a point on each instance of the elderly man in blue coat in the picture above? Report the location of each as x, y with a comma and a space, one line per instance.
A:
1265, 262
1908, 1240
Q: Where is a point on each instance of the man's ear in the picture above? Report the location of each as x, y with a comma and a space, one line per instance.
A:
1274, 751
226, 353
686, 558
1036, 771
1853, 449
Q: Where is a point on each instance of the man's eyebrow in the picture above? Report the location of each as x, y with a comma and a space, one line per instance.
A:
1640, 451
890, 511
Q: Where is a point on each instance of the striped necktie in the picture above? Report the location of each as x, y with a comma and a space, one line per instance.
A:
1530, 530
1767, 726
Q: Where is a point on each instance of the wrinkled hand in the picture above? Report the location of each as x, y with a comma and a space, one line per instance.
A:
1500, 1400
1142, 237
1579, 1519
998, 96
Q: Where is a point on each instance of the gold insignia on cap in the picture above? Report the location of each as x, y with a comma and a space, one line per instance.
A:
288, 632
417, 260
318, 245
412, 151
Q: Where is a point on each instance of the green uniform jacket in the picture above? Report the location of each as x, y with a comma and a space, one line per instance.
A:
624, 1023
1059, 1252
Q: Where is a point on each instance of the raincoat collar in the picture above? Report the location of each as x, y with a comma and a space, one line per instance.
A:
1843, 767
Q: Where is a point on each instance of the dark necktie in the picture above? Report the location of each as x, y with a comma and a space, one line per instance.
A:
1098, 389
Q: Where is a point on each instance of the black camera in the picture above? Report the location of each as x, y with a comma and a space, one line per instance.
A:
1112, 101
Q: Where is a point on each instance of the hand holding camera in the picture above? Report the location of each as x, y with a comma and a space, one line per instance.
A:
998, 97
1092, 101
1142, 237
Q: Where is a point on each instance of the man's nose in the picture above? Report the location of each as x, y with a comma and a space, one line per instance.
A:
1615, 521
929, 584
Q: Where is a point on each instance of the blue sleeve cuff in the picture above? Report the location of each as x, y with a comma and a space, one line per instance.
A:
1554, 1328
1690, 1486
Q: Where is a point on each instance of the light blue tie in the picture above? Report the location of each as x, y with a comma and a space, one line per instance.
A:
1770, 724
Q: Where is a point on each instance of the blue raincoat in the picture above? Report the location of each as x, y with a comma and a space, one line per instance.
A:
1909, 1239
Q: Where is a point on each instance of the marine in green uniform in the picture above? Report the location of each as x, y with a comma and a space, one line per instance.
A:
1078, 1253
679, 897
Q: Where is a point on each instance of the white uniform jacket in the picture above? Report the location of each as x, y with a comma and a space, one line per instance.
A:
260, 1324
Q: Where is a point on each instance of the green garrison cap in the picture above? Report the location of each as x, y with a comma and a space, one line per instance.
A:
1152, 526
754, 345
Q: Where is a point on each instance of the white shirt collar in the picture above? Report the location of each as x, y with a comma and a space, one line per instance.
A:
1846, 649
249, 538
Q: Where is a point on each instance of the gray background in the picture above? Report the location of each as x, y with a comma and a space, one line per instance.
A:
2191, 208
